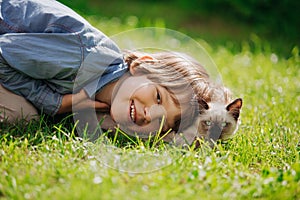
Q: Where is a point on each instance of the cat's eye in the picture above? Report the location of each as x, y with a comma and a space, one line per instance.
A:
224, 124
207, 123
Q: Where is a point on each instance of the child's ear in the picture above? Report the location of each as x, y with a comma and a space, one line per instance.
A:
133, 67
234, 108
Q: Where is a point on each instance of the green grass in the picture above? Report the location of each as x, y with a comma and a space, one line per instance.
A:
46, 161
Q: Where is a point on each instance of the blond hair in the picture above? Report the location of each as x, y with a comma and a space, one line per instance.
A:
184, 78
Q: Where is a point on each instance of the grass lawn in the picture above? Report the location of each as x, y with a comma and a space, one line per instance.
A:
46, 161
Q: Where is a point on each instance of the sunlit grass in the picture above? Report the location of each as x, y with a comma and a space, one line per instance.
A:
47, 161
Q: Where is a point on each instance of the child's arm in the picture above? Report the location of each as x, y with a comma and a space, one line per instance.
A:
80, 101
34, 90
43, 97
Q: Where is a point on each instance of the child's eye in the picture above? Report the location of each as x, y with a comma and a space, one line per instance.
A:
158, 97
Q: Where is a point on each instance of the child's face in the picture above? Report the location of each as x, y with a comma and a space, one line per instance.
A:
139, 105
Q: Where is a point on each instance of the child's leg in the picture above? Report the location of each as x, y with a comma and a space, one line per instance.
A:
14, 107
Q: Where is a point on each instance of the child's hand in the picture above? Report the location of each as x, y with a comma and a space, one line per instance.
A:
80, 101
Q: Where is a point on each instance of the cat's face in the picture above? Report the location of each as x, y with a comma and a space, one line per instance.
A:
215, 121
219, 121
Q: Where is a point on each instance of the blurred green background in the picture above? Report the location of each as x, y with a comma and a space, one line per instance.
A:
274, 24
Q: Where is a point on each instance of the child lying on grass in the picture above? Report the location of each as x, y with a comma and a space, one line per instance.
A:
53, 61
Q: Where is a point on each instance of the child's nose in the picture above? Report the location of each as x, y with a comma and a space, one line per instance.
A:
147, 115
155, 112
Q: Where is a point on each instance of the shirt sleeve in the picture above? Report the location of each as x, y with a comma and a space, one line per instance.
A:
42, 55
35, 91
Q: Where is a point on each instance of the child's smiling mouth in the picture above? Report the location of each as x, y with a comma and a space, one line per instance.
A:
132, 111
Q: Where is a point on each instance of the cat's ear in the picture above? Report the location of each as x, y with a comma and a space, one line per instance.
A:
202, 105
234, 108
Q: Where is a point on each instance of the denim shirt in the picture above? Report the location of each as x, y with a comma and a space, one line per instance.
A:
47, 50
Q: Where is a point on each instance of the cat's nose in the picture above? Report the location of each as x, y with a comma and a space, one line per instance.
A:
215, 132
